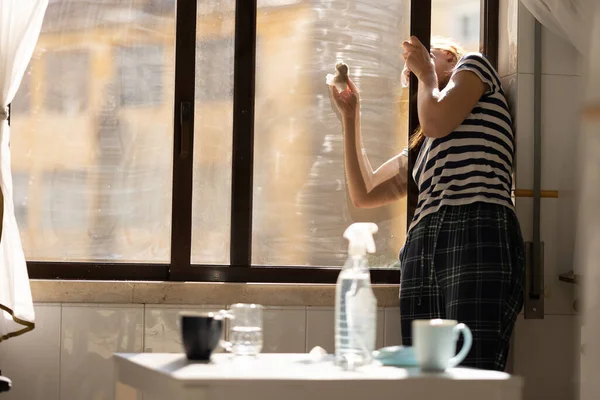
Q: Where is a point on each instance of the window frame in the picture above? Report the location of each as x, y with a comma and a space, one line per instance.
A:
240, 269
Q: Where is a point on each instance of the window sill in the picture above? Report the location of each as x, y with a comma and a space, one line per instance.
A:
186, 293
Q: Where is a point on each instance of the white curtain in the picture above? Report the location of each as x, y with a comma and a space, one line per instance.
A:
20, 25
571, 19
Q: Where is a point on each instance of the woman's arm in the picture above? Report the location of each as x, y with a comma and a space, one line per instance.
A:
441, 112
368, 188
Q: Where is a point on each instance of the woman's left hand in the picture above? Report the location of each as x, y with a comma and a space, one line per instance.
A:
417, 58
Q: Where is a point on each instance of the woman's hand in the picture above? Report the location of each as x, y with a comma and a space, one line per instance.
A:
347, 102
418, 59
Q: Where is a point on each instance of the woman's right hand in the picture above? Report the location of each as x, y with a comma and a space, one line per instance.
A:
347, 102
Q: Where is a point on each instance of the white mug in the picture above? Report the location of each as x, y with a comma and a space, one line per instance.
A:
434, 343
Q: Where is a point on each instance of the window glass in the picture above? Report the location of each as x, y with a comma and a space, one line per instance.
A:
93, 133
301, 203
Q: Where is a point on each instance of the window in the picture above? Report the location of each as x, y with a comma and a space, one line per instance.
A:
65, 198
21, 104
138, 206
213, 128
458, 19
154, 157
214, 72
300, 203
97, 161
20, 198
140, 75
66, 78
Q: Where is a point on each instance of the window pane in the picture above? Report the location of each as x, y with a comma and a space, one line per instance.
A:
67, 75
301, 206
459, 20
20, 197
140, 70
21, 104
65, 201
93, 133
213, 132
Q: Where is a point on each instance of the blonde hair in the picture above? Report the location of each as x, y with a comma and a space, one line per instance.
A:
447, 44
452, 47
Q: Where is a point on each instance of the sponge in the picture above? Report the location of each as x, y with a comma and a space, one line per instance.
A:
340, 79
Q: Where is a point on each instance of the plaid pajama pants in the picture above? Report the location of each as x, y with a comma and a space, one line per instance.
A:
466, 263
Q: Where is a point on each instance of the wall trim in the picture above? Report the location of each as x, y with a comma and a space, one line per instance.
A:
187, 293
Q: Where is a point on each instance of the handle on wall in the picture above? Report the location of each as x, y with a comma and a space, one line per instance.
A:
185, 121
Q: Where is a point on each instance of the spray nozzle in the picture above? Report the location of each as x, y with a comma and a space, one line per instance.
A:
360, 237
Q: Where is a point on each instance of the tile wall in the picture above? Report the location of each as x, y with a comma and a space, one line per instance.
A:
68, 355
545, 352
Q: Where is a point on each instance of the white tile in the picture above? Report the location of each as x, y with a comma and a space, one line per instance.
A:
526, 40
588, 254
510, 84
588, 217
380, 340
561, 100
162, 332
31, 360
284, 330
545, 356
567, 232
510, 362
522, 110
593, 64
507, 44
589, 350
559, 57
561, 123
524, 211
558, 296
91, 334
393, 333
503, 39
320, 328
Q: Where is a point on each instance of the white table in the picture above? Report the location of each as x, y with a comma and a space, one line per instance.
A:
296, 377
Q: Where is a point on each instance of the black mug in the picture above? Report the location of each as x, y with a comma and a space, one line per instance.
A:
201, 335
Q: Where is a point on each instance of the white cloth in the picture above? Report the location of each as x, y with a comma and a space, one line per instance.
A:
20, 25
571, 19
587, 253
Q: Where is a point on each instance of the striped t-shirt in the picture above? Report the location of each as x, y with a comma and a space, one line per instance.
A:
474, 163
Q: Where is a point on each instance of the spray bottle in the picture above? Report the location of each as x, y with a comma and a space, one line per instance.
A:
355, 302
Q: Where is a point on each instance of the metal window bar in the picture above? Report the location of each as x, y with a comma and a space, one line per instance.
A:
420, 26
244, 66
490, 30
183, 146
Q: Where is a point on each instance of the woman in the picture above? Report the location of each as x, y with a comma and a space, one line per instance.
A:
464, 257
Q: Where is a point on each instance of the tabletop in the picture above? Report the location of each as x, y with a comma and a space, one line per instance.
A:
226, 375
